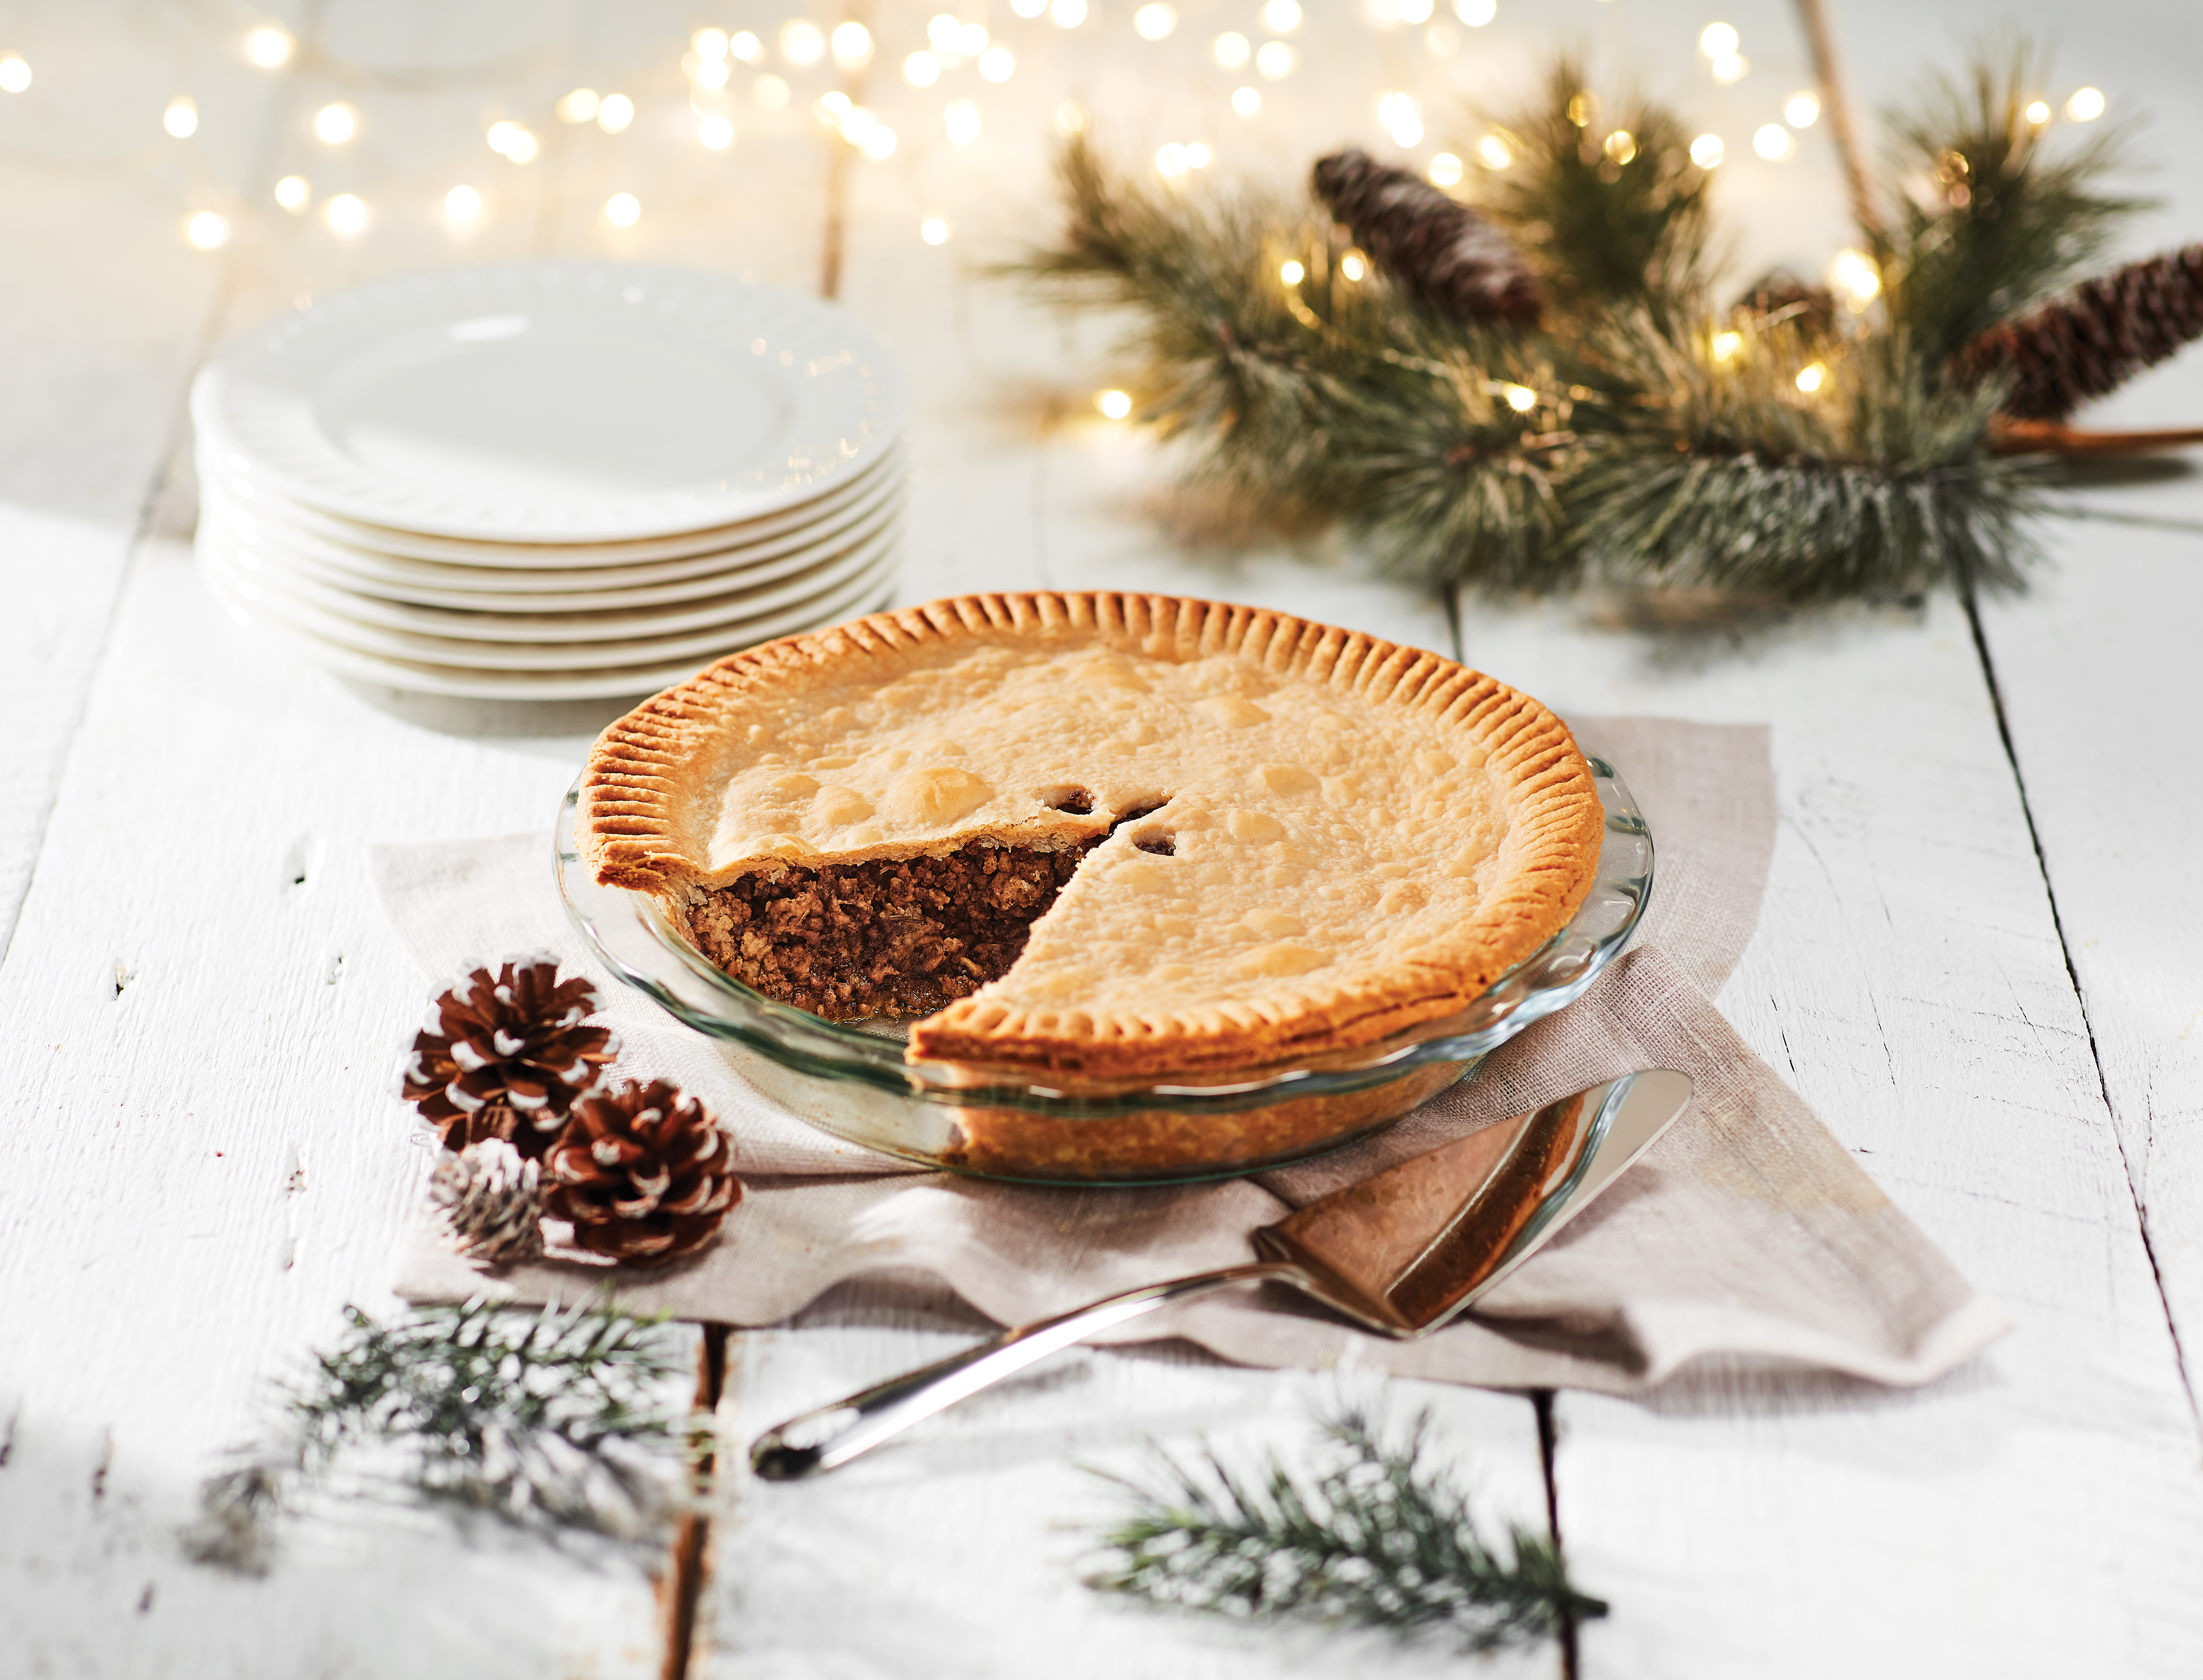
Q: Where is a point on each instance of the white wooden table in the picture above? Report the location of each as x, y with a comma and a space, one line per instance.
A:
1976, 957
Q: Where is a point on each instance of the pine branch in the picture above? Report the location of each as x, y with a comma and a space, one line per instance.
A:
551, 1422
1873, 484
1991, 221
1606, 230
1615, 444
1377, 1539
1327, 395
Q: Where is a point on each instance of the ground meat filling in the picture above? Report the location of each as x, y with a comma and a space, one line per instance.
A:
902, 936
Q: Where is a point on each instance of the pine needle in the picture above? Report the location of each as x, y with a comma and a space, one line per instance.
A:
1316, 393
1620, 225
551, 1422
1378, 1538
1873, 484
1994, 217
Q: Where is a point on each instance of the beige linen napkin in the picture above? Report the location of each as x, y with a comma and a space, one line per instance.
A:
1748, 1230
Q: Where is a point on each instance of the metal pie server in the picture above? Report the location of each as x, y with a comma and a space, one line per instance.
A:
1400, 1253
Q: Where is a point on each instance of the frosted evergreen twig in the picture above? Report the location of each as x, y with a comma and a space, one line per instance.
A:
552, 1422
1378, 1537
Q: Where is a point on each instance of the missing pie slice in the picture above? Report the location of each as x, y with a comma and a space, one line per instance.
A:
1117, 834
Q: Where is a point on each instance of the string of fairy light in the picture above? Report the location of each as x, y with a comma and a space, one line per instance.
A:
726, 70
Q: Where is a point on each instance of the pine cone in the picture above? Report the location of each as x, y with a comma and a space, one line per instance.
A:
2094, 339
506, 1055
1437, 250
643, 1171
492, 1202
1780, 292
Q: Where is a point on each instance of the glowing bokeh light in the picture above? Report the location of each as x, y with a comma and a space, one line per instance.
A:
346, 215
268, 47
802, 42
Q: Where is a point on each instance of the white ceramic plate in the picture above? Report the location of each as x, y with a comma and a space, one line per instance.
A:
564, 684
680, 618
455, 654
258, 545
552, 402
528, 560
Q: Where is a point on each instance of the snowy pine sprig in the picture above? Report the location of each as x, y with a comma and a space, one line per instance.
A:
1374, 1534
554, 1422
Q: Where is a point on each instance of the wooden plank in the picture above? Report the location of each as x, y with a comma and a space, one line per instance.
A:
961, 1550
98, 336
958, 1549
2035, 1513
204, 1004
207, 1006
2097, 672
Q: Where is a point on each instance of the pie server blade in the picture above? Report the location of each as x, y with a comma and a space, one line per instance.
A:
1400, 1253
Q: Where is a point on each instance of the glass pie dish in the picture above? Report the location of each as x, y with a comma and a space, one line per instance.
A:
850, 1079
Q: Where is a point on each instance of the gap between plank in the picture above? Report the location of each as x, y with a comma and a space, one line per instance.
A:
688, 1561
1966, 594
1548, 1458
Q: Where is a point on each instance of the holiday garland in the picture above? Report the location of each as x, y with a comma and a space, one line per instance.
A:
1537, 389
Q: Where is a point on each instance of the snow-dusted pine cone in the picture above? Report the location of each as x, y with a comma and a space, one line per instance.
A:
644, 1172
1429, 245
2093, 341
505, 1055
492, 1201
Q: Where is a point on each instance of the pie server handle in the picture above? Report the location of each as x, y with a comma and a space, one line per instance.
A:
834, 1435
1353, 1261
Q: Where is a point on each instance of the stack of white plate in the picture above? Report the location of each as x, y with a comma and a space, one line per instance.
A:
549, 480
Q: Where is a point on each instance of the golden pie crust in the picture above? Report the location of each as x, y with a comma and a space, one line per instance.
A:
1301, 839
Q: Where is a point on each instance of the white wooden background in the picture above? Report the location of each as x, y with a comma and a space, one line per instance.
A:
1977, 958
